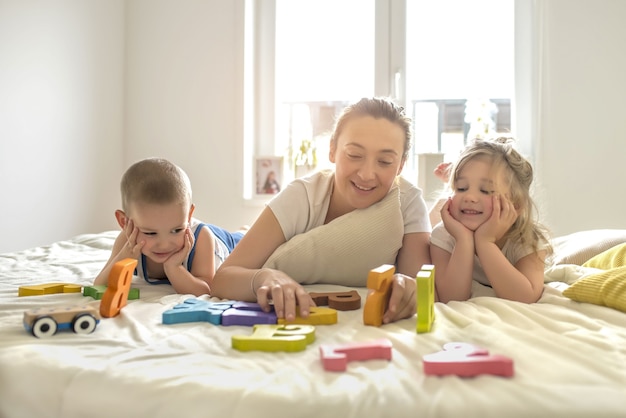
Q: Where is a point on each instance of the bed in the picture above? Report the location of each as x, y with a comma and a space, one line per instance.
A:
569, 357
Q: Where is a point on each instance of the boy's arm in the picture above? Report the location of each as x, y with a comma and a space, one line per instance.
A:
198, 281
119, 252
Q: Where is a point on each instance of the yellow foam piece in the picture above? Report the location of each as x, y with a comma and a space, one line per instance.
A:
425, 298
318, 315
48, 289
266, 337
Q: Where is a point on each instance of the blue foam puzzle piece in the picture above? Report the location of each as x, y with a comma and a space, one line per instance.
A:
196, 310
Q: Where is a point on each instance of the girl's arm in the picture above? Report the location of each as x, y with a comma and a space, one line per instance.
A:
453, 271
522, 282
241, 276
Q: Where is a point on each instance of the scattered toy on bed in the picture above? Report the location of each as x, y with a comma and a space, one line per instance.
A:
45, 322
466, 360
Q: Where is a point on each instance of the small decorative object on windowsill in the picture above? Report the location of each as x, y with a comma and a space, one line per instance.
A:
479, 114
305, 160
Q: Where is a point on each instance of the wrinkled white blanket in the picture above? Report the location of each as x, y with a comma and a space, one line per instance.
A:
569, 358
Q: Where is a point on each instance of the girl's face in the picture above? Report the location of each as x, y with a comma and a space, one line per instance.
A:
162, 227
474, 187
368, 155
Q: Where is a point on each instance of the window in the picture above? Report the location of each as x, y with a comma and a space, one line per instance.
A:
313, 57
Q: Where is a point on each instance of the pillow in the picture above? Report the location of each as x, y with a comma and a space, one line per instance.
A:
611, 258
608, 287
344, 250
578, 247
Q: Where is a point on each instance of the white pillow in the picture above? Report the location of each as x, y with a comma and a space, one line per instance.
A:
345, 250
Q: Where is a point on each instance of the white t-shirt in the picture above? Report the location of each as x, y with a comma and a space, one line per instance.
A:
513, 251
303, 204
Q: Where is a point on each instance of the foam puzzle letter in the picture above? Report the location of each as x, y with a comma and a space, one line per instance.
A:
341, 301
318, 315
116, 294
247, 314
335, 358
196, 310
379, 280
48, 289
289, 338
466, 360
97, 291
425, 281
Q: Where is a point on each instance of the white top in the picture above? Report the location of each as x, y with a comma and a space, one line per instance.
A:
303, 204
513, 251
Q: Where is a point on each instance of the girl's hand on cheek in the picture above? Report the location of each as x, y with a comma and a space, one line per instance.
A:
454, 227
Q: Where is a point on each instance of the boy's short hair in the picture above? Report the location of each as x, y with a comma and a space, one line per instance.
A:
155, 180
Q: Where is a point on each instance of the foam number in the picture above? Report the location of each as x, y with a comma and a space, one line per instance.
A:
275, 338
196, 310
379, 282
116, 294
48, 289
336, 357
425, 281
318, 315
466, 360
341, 301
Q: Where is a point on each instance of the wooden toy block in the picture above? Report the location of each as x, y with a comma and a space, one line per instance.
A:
97, 291
196, 310
116, 294
335, 358
264, 337
45, 322
379, 282
247, 314
466, 360
48, 289
318, 315
341, 301
425, 280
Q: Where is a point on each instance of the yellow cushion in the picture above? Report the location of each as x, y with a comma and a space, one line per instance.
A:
613, 257
606, 288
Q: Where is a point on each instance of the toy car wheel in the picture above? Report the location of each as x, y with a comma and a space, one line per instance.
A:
44, 326
84, 324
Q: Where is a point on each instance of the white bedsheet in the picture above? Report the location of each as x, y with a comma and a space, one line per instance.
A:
569, 358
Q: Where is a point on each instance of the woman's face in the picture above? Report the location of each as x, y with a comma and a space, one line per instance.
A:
368, 155
474, 187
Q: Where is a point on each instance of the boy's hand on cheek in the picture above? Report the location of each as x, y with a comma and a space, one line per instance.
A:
178, 258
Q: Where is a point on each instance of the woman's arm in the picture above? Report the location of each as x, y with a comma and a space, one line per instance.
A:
241, 276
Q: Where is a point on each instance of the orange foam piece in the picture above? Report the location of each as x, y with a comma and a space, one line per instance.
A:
466, 360
342, 301
379, 282
48, 289
335, 358
116, 294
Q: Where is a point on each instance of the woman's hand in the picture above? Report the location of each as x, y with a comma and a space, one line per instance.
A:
502, 218
284, 292
402, 301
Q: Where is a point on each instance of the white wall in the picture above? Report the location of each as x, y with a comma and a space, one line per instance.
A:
582, 128
185, 98
61, 118
87, 87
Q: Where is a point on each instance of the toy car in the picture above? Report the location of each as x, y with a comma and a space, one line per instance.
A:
44, 322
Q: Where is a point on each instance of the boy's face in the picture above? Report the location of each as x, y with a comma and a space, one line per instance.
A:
161, 226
